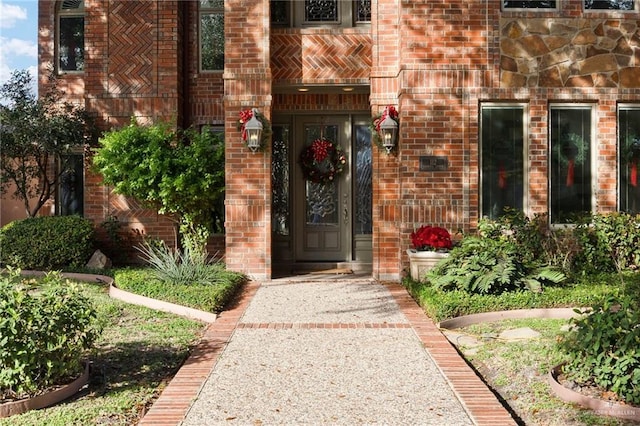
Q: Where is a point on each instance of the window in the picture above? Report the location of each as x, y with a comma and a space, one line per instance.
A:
71, 185
363, 182
571, 177
629, 158
609, 4
281, 186
71, 36
503, 135
212, 35
532, 4
320, 12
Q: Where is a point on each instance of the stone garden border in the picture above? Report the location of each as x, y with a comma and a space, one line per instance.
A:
598, 406
51, 398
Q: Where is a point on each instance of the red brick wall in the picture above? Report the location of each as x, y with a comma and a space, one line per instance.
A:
247, 78
435, 61
133, 67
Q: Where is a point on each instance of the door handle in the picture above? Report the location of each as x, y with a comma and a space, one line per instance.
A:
346, 209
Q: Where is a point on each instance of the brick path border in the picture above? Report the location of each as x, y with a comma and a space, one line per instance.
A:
175, 400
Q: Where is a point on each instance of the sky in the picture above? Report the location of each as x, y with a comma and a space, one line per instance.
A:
18, 37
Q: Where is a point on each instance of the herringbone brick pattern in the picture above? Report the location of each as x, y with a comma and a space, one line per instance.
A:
131, 47
320, 57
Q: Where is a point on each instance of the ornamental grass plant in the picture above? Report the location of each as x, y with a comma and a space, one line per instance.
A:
188, 266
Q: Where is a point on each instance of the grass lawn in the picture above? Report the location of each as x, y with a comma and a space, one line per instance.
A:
138, 352
518, 370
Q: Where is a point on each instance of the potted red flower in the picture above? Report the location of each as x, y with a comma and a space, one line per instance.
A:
431, 244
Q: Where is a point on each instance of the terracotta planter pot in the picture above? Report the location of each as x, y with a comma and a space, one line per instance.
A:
599, 406
421, 262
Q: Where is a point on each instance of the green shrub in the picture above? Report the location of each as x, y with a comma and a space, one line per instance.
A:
515, 227
48, 242
44, 331
205, 297
604, 348
489, 265
609, 242
440, 305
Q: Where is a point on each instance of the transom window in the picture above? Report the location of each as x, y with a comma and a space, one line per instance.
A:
609, 4
571, 170
344, 13
532, 4
502, 155
629, 158
70, 52
211, 35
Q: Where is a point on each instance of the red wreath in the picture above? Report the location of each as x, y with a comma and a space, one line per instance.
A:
322, 161
245, 116
388, 111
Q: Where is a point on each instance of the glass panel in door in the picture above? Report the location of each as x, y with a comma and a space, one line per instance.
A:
323, 208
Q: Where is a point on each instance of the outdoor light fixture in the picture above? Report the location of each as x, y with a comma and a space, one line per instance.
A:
253, 127
388, 131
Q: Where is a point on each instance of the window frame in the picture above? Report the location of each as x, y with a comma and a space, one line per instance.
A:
208, 11
619, 165
593, 159
636, 9
346, 16
61, 14
73, 162
524, 106
532, 9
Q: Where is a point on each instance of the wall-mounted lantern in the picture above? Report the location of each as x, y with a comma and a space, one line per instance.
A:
253, 129
388, 131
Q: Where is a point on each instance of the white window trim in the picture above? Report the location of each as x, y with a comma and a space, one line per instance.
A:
593, 160
526, 169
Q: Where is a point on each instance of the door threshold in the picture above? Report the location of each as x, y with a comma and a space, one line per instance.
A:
318, 268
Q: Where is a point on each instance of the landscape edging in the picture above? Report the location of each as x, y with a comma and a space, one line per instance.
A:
137, 299
8, 409
597, 405
547, 313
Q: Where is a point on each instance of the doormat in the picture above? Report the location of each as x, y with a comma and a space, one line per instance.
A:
337, 271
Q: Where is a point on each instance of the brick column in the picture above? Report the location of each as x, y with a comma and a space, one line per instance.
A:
247, 84
387, 184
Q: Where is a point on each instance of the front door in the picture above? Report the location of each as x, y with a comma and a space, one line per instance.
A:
323, 209
318, 222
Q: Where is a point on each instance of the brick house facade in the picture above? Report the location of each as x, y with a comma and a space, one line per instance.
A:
499, 105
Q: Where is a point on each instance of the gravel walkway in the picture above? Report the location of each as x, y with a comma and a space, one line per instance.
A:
325, 352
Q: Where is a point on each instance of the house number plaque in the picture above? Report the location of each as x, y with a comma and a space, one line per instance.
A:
432, 163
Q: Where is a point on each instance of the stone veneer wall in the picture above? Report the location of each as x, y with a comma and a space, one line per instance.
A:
541, 52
